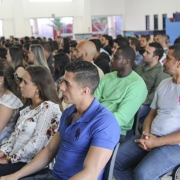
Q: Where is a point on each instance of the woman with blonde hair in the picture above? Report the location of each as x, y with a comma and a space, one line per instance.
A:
36, 56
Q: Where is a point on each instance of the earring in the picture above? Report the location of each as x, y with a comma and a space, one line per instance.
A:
36, 94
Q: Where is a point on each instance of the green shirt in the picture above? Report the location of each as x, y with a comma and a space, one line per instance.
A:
152, 77
122, 96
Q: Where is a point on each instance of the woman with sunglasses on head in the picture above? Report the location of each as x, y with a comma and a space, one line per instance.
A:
9, 100
37, 122
15, 57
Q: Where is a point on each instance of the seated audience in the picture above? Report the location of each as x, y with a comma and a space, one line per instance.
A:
123, 90
37, 122
101, 59
87, 134
105, 42
9, 101
72, 48
36, 56
143, 43
156, 151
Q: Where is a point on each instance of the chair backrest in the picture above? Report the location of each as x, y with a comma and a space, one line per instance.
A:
108, 172
136, 123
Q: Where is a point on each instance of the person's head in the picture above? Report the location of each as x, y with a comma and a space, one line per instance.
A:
144, 41
26, 39
97, 43
162, 39
7, 80
134, 43
33, 86
85, 50
172, 61
60, 61
72, 48
3, 52
49, 39
122, 42
36, 55
123, 59
35, 41
104, 40
80, 81
15, 56
136, 36
177, 40
65, 45
115, 46
153, 53
55, 44
47, 49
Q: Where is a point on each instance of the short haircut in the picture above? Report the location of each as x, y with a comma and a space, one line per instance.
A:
122, 41
177, 40
158, 49
176, 52
47, 46
135, 42
147, 37
86, 74
73, 44
97, 43
127, 52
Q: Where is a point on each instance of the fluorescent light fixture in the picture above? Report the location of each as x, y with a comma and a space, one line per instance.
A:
50, 0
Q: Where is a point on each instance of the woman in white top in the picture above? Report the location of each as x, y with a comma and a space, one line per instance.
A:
37, 122
9, 101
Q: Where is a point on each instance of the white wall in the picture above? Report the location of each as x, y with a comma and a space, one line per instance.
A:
16, 13
135, 11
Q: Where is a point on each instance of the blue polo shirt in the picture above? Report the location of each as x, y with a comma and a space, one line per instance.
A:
97, 127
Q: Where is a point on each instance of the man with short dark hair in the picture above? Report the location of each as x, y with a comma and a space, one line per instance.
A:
157, 150
152, 73
143, 43
48, 55
72, 48
123, 90
135, 44
87, 134
101, 59
105, 44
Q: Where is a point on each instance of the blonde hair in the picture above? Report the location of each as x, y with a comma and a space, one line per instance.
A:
39, 56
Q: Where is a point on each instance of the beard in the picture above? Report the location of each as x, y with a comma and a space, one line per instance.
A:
80, 58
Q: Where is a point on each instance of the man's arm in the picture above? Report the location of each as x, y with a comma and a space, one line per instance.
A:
94, 162
40, 160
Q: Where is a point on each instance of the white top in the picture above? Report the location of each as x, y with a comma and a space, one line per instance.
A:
12, 102
33, 131
167, 102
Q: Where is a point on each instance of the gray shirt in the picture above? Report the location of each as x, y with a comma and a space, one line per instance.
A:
167, 102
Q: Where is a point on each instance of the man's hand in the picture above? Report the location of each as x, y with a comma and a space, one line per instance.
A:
4, 161
148, 143
9, 177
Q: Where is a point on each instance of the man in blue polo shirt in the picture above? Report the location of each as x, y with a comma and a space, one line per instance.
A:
87, 134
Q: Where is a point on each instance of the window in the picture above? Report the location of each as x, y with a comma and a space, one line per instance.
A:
147, 23
111, 25
52, 27
155, 22
164, 16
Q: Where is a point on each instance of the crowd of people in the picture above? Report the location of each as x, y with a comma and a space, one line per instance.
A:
75, 100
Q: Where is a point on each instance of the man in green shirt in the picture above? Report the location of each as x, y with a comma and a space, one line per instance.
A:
123, 90
152, 73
